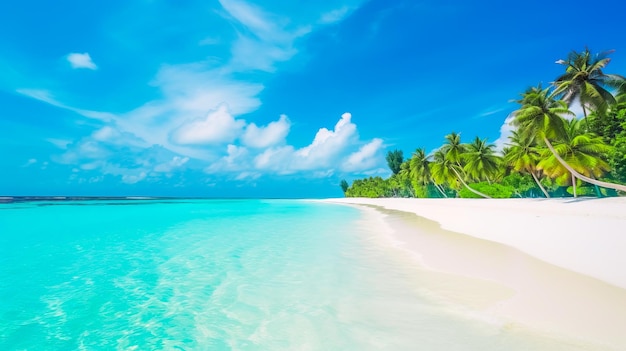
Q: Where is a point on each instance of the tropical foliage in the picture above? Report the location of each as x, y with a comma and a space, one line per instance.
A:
551, 151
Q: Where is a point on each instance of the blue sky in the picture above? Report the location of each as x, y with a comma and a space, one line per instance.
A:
266, 98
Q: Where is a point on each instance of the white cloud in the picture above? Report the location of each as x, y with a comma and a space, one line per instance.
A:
277, 159
133, 178
250, 53
506, 130
364, 158
248, 176
30, 162
217, 127
272, 134
323, 153
236, 160
492, 111
265, 40
106, 133
46, 96
60, 143
334, 15
83, 60
253, 17
326, 144
577, 109
175, 131
174, 163
112, 135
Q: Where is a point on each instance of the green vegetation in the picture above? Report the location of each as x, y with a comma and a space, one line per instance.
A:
394, 160
344, 185
550, 152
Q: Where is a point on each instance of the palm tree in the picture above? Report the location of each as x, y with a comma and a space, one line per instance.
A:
453, 148
583, 151
620, 97
540, 115
523, 156
420, 171
481, 161
585, 81
453, 152
441, 170
404, 178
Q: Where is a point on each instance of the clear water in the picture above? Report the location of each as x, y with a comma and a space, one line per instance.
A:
217, 275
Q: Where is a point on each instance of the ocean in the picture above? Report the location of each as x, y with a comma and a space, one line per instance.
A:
221, 275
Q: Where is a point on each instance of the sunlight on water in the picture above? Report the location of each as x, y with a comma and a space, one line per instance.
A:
218, 275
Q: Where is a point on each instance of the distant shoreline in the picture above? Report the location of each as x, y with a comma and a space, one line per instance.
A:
12, 199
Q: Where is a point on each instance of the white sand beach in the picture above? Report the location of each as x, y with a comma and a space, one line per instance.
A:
555, 265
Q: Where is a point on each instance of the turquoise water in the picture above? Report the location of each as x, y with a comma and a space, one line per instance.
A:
217, 275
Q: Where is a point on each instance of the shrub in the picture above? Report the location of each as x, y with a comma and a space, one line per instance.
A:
497, 191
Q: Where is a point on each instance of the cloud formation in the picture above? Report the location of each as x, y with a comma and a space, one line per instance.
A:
78, 60
196, 121
263, 137
330, 152
335, 15
365, 158
217, 127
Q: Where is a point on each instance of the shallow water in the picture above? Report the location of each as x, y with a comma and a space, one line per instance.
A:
220, 275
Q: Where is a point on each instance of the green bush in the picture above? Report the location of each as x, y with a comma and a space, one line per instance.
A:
497, 191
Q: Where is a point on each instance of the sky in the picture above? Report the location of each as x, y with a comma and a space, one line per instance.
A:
278, 99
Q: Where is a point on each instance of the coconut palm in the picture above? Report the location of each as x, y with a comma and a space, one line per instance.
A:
523, 155
481, 161
453, 152
405, 171
584, 81
405, 178
540, 115
441, 171
621, 94
585, 152
420, 171
453, 148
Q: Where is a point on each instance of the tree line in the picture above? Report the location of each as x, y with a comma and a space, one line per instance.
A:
550, 152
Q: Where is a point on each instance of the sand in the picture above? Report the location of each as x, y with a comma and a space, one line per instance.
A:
554, 265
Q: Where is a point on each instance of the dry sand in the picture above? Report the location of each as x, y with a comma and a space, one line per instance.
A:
555, 265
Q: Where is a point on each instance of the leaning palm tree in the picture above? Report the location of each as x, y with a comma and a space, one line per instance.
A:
584, 81
453, 152
441, 171
523, 156
540, 115
584, 152
481, 161
420, 171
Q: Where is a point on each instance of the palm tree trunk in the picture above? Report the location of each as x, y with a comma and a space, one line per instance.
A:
468, 187
598, 193
539, 183
585, 114
580, 176
440, 190
574, 185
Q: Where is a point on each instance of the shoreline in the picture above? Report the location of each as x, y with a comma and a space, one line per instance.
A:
508, 276
587, 236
